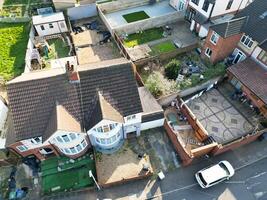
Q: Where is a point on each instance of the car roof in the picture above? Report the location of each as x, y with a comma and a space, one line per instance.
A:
213, 173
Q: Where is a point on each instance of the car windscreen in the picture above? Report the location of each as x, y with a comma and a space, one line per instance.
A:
202, 179
224, 168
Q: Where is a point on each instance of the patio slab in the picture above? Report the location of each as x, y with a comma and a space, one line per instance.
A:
115, 19
220, 117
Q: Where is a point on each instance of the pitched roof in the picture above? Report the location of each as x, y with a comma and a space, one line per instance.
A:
257, 20
61, 119
33, 96
33, 100
119, 87
229, 28
252, 75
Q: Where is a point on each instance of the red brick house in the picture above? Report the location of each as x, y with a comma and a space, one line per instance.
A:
222, 40
243, 36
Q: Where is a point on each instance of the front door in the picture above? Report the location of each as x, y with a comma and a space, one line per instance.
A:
239, 57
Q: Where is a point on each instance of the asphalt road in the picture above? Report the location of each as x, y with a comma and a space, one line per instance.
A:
248, 183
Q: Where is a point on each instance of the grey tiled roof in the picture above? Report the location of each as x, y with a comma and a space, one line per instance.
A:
33, 96
256, 26
229, 28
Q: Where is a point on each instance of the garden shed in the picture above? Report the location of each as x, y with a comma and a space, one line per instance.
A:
49, 24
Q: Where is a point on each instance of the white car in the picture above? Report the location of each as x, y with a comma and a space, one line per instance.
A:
214, 174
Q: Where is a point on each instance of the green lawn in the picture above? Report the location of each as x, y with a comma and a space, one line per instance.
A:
144, 37
59, 49
163, 47
135, 16
13, 42
72, 176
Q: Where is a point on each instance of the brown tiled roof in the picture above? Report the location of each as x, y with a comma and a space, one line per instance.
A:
33, 96
32, 102
119, 88
252, 75
61, 119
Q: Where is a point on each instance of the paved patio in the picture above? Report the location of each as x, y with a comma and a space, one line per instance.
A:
219, 117
88, 47
116, 19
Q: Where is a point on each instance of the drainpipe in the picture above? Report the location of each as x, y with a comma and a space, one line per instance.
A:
212, 10
239, 7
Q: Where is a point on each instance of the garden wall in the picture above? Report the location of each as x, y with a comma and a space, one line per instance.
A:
200, 131
166, 100
82, 11
149, 23
237, 143
120, 5
167, 55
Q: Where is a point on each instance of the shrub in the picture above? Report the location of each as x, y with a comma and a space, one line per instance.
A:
172, 69
153, 84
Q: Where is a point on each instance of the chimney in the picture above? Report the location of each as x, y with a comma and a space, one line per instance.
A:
73, 75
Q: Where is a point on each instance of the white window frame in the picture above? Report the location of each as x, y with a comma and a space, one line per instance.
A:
208, 50
22, 148
242, 55
181, 5
214, 38
33, 140
130, 117
247, 41
51, 25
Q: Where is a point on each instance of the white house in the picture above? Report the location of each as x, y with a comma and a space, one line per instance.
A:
49, 24
203, 13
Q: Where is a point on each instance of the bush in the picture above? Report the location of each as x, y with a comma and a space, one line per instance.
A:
153, 84
172, 69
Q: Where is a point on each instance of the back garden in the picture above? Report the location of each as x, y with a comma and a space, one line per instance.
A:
182, 72
13, 43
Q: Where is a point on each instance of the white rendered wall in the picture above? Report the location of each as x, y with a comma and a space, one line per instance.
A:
58, 27
152, 124
220, 7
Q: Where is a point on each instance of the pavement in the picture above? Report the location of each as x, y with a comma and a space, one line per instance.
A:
248, 183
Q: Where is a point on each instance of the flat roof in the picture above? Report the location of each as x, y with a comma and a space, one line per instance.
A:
219, 117
47, 18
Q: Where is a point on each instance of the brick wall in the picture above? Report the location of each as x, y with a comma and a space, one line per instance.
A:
233, 145
223, 48
185, 157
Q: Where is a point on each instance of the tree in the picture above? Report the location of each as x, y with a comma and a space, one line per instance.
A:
172, 69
